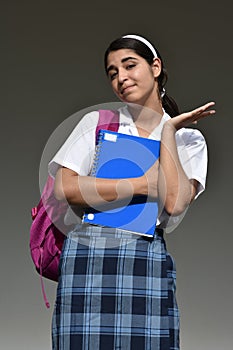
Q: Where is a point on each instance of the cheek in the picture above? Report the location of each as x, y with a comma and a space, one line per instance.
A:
143, 75
114, 87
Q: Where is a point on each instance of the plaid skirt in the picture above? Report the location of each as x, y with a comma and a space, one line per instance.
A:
116, 290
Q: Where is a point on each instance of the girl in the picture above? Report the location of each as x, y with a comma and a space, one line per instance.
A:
116, 289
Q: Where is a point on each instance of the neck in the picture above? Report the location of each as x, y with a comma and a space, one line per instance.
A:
148, 105
146, 117
146, 120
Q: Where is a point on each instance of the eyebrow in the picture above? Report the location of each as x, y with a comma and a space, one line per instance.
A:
122, 61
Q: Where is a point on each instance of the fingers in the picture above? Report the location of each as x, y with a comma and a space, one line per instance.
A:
207, 105
193, 116
203, 109
200, 112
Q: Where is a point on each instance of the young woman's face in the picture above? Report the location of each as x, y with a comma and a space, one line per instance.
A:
132, 78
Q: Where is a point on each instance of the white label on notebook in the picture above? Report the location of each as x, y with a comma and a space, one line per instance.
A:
90, 216
110, 137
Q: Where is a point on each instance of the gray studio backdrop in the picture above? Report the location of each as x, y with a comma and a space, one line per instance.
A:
52, 66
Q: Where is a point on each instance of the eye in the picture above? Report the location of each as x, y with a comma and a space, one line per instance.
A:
130, 66
112, 75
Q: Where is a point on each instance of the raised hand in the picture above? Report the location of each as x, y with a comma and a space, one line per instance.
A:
192, 117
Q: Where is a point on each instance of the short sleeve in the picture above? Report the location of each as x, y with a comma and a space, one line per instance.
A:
78, 150
192, 150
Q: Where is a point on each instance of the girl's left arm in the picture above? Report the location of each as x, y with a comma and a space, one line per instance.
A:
176, 191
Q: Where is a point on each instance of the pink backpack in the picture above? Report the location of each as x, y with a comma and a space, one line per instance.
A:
47, 232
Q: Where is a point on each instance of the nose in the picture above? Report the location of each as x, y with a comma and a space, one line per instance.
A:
122, 75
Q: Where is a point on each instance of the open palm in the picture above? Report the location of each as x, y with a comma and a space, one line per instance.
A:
184, 119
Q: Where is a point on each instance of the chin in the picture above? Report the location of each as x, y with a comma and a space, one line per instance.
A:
131, 99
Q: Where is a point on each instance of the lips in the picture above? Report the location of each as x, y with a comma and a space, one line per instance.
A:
126, 89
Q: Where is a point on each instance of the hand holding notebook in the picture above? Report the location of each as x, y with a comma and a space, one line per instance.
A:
151, 178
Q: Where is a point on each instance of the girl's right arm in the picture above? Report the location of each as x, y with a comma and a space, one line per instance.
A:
87, 191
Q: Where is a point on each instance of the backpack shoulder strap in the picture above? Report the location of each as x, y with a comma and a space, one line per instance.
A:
108, 120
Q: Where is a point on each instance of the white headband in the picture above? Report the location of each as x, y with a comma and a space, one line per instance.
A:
144, 41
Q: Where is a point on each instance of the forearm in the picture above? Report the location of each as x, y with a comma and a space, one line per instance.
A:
175, 189
96, 192
89, 191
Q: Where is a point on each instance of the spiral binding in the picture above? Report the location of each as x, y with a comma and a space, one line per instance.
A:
97, 153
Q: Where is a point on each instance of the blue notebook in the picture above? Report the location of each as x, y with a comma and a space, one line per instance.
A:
124, 156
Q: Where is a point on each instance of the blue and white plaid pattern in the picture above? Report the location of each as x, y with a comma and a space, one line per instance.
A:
116, 291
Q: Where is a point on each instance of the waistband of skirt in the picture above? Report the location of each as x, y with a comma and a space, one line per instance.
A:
105, 231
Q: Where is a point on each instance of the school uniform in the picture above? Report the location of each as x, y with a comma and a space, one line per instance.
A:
116, 289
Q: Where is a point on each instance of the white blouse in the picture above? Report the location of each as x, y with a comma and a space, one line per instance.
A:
77, 153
